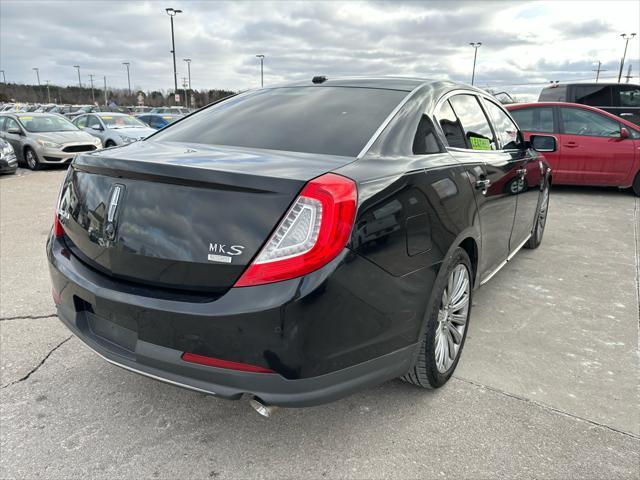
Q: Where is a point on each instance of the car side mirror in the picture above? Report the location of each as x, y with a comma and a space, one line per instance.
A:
14, 131
96, 127
624, 133
543, 143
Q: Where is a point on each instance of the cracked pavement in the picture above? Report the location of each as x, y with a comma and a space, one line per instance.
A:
547, 385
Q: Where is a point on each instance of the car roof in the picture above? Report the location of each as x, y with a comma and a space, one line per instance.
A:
109, 114
390, 83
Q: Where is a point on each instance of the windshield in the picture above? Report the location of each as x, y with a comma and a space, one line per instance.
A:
121, 121
46, 123
325, 120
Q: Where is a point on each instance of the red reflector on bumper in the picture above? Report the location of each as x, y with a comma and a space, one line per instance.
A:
56, 297
219, 363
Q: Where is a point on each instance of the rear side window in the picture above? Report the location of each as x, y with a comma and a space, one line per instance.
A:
476, 127
81, 122
534, 119
594, 95
425, 141
324, 120
628, 96
576, 121
451, 126
553, 94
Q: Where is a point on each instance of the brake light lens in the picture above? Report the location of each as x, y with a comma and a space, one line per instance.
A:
312, 233
58, 229
219, 363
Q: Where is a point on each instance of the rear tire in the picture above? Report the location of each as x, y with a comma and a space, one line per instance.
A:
449, 308
541, 220
31, 159
636, 185
109, 144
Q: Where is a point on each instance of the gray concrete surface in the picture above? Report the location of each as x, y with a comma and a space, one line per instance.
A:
547, 386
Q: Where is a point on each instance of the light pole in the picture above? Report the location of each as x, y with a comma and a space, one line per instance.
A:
126, 64
475, 46
79, 81
188, 60
37, 74
172, 13
48, 92
93, 97
626, 44
4, 79
598, 70
261, 57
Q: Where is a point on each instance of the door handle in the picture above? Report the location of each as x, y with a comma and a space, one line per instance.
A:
570, 144
483, 184
626, 114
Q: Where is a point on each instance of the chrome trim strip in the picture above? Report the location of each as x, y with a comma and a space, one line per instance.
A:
504, 262
517, 249
387, 121
145, 374
490, 276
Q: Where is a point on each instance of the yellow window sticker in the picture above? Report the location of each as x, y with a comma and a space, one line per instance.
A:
108, 118
25, 118
478, 143
167, 118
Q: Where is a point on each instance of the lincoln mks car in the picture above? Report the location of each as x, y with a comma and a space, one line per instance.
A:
298, 243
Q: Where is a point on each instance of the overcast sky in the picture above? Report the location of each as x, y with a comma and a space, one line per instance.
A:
522, 42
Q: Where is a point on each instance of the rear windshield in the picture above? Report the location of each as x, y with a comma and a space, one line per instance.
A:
324, 120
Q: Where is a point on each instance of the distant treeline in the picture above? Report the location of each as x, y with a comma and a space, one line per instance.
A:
14, 92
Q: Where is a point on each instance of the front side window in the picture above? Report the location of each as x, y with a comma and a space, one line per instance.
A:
576, 121
451, 126
81, 122
506, 131
92, 121
474, 122
534, 119
324, 120
593, 95
10, 123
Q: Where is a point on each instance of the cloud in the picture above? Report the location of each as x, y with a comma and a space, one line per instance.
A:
521, 43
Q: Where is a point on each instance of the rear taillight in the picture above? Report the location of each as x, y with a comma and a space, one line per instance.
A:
219, 363
312, 233
58, 230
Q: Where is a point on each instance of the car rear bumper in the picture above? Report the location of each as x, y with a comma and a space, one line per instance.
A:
319, 355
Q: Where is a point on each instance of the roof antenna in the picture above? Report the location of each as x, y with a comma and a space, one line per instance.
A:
319, 79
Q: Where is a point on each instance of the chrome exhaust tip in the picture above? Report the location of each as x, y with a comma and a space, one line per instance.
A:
262, 408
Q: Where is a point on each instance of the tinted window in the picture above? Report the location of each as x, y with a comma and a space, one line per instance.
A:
326, 120
474, 122
576, 121
534, 119
425, 141
507, 132
451, 126
628, 96
594, 95
158, 122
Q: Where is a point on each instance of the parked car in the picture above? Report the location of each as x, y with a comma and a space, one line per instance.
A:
158, 120
621, 99
113, 128
8, 159
252, 248
139, 109
595, 147
42, 138
171, 110
63, 109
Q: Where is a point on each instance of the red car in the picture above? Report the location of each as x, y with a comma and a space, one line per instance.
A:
594, 147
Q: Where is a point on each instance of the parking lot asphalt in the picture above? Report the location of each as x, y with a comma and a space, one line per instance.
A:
547, 385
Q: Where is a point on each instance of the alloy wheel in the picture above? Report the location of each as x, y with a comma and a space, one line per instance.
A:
32, 163
452, 318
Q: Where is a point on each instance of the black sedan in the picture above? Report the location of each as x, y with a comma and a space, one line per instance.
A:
298, 243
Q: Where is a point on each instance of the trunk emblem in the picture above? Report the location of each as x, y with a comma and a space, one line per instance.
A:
110, 227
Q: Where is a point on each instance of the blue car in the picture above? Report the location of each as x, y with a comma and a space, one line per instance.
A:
158, 120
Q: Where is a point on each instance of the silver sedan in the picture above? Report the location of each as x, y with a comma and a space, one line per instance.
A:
113, 129
43, 138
